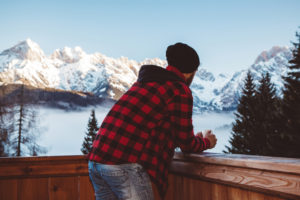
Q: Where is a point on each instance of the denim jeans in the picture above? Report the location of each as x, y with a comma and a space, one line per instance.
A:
124, 181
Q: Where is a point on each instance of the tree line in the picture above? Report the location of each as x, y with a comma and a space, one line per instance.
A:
265, 123
19, 128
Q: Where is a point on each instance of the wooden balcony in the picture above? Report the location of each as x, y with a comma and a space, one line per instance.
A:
204, 176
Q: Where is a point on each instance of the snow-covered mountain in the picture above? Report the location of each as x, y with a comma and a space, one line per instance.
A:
274, 61
73, 69
67, 69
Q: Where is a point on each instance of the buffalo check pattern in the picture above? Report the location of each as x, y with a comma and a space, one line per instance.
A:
145, 126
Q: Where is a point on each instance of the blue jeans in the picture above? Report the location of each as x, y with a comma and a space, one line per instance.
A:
124, 181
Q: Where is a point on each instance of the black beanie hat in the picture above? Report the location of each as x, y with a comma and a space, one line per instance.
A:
183, 57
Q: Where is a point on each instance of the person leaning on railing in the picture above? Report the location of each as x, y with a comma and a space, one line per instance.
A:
137, 138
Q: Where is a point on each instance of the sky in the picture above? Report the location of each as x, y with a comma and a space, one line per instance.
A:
227, 34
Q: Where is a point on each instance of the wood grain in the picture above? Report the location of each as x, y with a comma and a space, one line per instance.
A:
219, 191
8, 189
155, 192
237, 193
34, 189
193, 176
187, 188
43, 169
279, 183
86, 189
63, 188
279, 164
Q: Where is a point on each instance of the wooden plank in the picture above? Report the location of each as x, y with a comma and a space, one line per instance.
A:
86, 188
181, 187
9, 189
63, 188
279, 164
173, 188
237, 193
197, 189
40, 159
282, 184
33, 189
274, 198
260, 196
38, 170
43, 166
256, 196
193, 189
188, 188
219, 192
204, 190
155, 192
178, 187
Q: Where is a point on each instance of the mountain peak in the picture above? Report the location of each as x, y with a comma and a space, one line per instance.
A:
29, 43
273, 52
26, 49
68, 54
73, 69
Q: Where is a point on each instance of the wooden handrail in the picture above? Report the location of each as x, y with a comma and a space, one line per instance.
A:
272, 177
278, 164
43, 166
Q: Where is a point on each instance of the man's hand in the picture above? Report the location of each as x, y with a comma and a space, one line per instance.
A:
200, 134
210, 136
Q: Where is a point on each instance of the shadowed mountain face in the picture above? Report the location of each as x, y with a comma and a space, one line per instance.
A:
54, 98
71, 69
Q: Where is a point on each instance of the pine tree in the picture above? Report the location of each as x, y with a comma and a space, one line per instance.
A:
3, 143
291, 105
241, 140
4, 139
266, 116
25, 132
6, 116
90, 134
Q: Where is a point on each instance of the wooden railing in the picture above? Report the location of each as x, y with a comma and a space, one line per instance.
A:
223, 176
204, 176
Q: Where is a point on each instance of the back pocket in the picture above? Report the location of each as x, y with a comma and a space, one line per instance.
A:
118, 180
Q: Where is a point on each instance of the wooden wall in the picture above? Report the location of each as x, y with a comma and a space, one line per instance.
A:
45, 178
192, 189
195, 176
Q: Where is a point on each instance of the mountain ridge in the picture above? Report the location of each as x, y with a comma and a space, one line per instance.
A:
106, 77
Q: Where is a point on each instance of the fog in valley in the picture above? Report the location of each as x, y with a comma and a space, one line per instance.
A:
64, 131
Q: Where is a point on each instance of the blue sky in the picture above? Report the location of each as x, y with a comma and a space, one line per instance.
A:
227, 34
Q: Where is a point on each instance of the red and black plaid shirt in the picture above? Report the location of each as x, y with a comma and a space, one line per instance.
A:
147, 123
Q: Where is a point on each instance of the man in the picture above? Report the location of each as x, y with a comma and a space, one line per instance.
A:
136, 141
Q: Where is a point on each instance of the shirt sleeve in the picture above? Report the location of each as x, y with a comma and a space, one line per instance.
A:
181, 109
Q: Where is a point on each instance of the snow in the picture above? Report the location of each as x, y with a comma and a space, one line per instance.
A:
111, 93
73, 69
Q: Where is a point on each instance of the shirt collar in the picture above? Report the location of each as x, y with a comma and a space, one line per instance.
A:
176, 71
